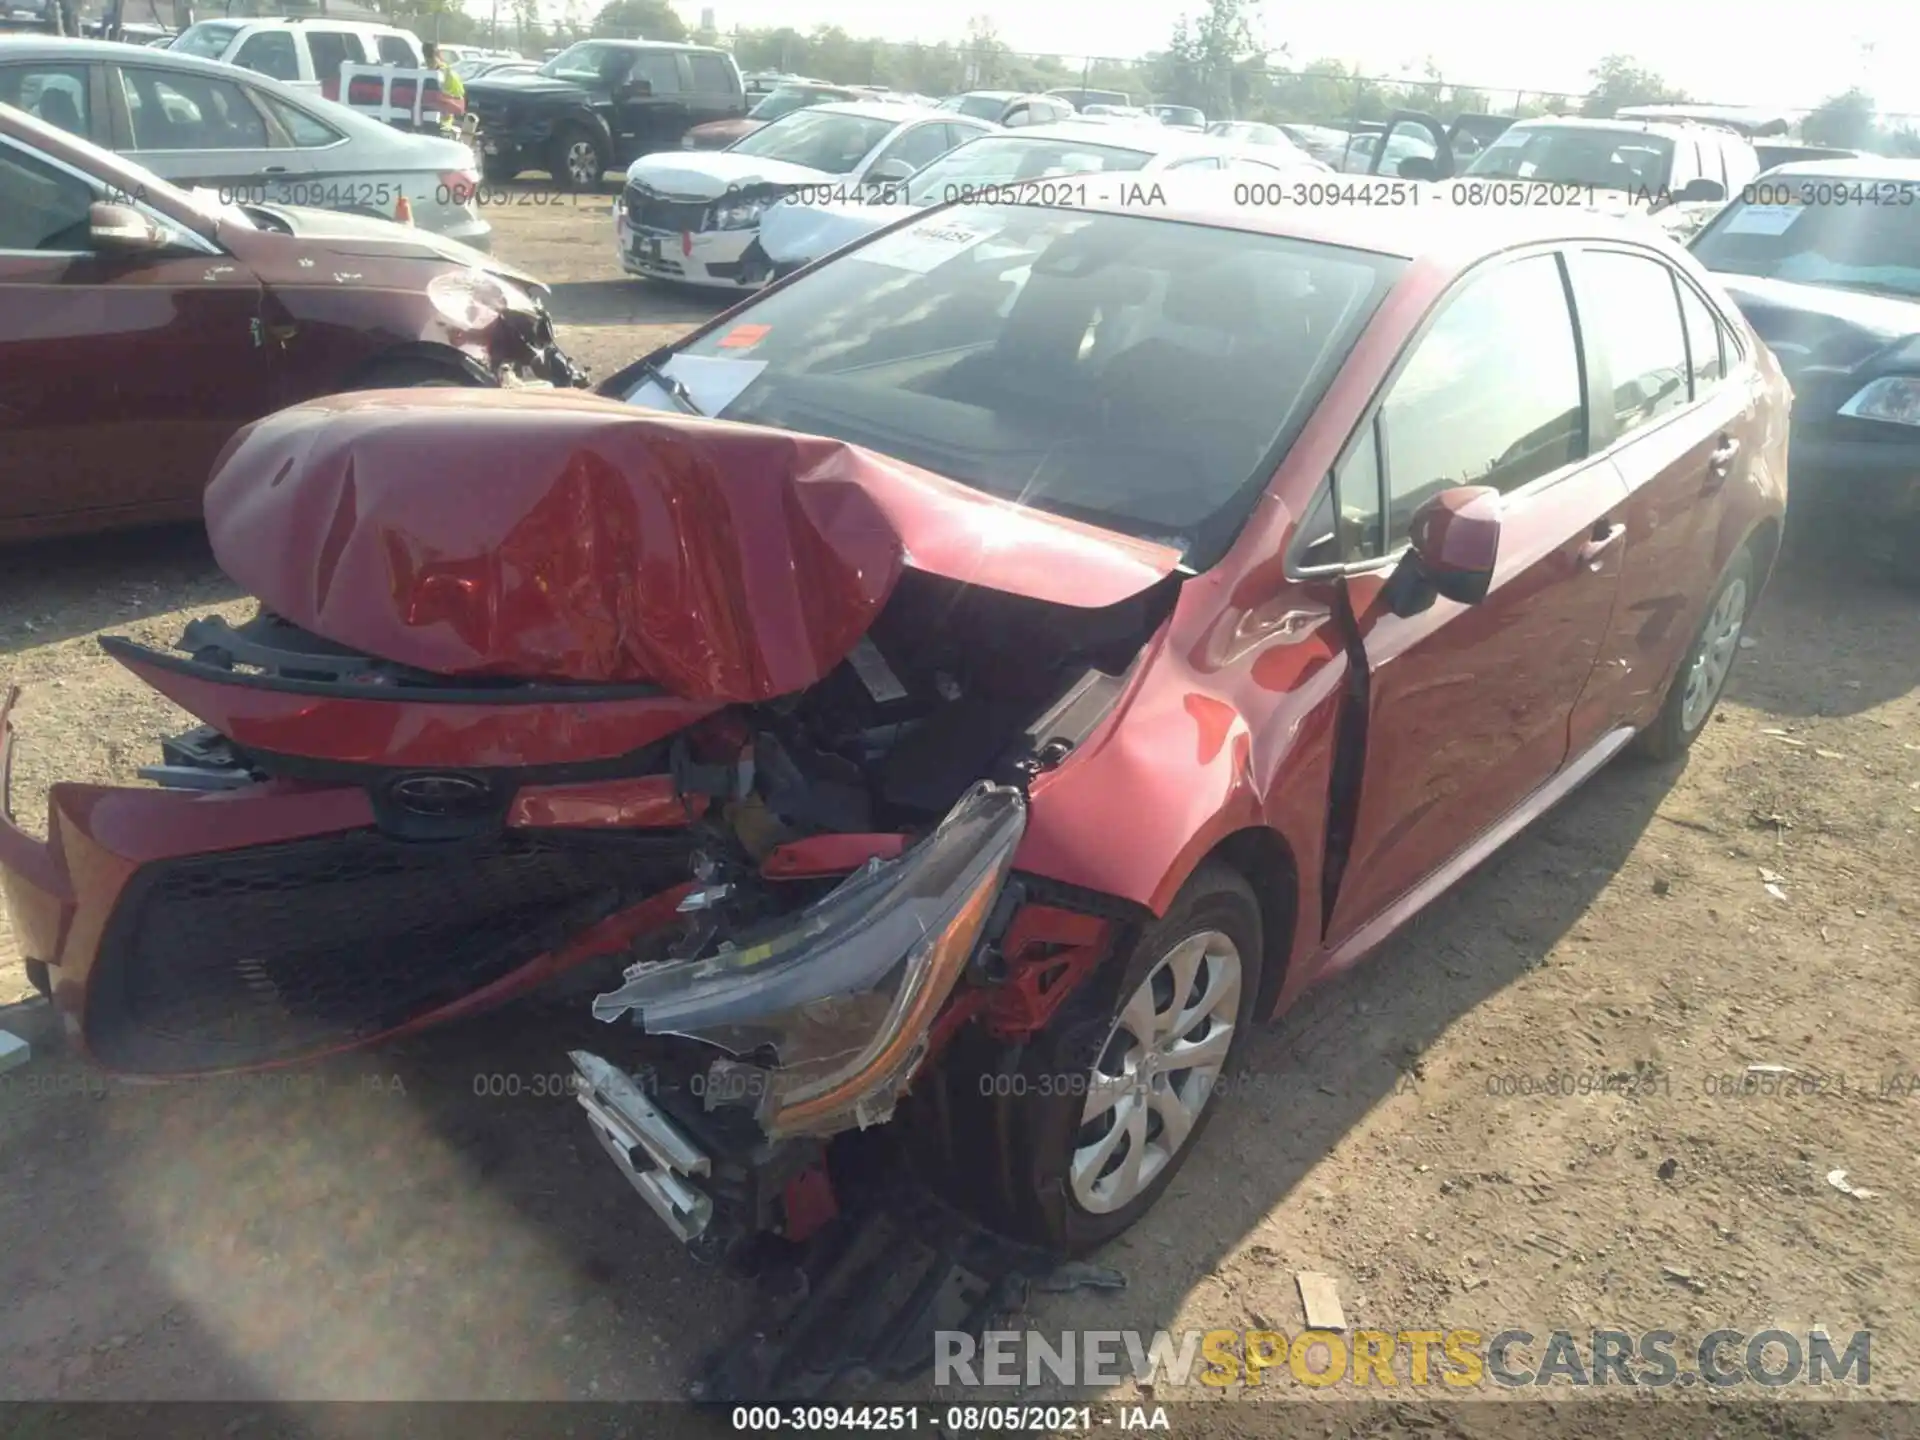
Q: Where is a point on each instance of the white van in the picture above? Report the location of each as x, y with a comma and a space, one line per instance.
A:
306, 54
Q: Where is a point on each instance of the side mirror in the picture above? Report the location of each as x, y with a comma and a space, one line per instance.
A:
1454, 541
1419, 167
889, 172
123, 230
1701, 191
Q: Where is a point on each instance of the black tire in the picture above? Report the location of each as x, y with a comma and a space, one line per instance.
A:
412, 375
1673, 731
1000, 1131
567, 162
498, 170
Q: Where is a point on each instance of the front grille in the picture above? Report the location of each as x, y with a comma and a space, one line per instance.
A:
650, 210
247, 956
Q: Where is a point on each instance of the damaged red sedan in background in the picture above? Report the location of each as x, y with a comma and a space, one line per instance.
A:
977, 678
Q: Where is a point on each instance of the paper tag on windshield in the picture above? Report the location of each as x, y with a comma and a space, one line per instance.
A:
874, 672
926, 246
1763, 219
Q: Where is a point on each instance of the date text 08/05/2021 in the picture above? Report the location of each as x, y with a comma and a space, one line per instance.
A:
938, 1419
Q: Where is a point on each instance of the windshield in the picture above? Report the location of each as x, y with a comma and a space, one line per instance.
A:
209, 39
1139, 373
1837, 241
1578, 155
786, 101
819, 139
1000, 160
591, 61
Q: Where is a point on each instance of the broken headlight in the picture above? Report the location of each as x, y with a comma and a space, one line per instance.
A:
844, 993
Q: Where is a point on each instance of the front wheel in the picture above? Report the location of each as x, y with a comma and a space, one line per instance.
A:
576, 162
1086, 1124
1702, 677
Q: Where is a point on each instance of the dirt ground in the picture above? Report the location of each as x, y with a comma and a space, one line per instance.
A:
377, 1229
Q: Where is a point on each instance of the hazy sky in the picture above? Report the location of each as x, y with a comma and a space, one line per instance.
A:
1718, 50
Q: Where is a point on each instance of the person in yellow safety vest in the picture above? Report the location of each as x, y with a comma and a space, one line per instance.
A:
453, 90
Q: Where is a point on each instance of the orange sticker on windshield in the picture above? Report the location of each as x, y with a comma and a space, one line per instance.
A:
744, 337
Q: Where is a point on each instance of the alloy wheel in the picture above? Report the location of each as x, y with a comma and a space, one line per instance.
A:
583, 164
1713, 656
1156, 1072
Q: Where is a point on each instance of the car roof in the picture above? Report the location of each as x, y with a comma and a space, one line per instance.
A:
1668, 129
1452, 235
1857, 167
894, 110
75, 48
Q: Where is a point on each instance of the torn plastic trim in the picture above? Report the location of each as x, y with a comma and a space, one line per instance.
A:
654, 1154
845, 993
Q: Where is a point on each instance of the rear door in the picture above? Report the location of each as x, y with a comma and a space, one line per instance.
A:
1680, 431
716, 92
120, 376
1468, 705
194, 129
328, 48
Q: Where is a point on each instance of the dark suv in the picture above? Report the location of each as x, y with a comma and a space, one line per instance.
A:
598, 104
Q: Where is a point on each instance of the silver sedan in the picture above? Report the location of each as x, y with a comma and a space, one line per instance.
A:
200, 123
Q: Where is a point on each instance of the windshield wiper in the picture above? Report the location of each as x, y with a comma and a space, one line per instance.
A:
682, 396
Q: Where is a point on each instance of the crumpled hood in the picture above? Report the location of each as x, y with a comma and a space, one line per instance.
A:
574, 537
709, 174
794, 234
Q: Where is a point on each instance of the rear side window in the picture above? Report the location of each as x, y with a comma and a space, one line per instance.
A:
1491, 394
306, 132
712, 75
56, 94
270, 52
1628, 305
1705, 353
330, 50
175, 111
394, 50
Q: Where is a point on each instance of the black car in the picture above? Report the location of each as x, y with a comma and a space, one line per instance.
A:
598, 104
1824, 259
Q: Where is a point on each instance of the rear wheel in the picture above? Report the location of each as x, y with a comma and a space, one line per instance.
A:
1069, 1138
1702, 677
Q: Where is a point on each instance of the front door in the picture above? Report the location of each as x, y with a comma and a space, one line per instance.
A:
651, 107
121, 376
1468, 705
197, 130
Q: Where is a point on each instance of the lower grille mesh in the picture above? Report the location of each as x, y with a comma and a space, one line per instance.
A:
269, 953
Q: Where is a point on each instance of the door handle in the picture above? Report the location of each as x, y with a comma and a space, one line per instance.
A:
273, 170
1721, 461
1603, 539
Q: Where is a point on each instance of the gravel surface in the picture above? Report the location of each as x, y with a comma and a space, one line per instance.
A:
376, 1228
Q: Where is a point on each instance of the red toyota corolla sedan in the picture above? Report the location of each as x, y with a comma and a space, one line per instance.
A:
974, 681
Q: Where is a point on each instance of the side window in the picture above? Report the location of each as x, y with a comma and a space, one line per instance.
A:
329, 51
394, 50
658, 70
269, 52
172, 110
712, 75
1018, 115
1628, 304
41, 207
57, 94
1490, 396
1704, 355
920, 146
306, 132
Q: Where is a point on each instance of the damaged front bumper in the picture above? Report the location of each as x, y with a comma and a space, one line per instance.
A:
814, 1024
